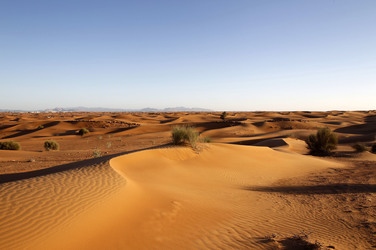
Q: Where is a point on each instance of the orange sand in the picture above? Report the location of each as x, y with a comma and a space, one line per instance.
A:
222, 196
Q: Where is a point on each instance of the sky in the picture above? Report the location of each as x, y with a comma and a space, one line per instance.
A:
241, 55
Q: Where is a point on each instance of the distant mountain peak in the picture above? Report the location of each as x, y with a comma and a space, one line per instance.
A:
101, 109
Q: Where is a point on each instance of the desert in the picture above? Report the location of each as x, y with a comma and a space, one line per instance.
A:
198, 124
251, 184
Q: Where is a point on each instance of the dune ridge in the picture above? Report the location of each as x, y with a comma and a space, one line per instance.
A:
176, 198
223, 196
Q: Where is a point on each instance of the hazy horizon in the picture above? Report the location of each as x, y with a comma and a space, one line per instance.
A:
166, 109
218, 55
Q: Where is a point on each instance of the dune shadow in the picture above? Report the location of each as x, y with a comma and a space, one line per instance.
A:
332, 123
7, 126
335, 188
370, 118
29, 131
118, 130
358, 138
369, 127
20, 133
217, 125
168, 120
64, 167
68, 132
254, 141
315, 116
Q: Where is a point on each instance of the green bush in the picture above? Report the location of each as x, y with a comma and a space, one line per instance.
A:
359, 147
373, 148
205, 140
97, 153
323, 142
184, 134
9, 145
83, 131
223, 116
51, 145
40, 127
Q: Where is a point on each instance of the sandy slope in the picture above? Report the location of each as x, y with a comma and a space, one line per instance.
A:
175, 198
224, 196
113, 133
32, 209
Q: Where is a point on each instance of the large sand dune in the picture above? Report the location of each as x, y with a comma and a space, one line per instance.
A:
173, 198
220, 196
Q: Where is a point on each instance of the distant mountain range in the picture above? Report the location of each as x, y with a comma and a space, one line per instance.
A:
100, 109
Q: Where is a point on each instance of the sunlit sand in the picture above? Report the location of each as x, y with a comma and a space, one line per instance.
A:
255, 180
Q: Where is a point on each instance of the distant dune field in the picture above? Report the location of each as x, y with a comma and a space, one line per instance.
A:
124, 186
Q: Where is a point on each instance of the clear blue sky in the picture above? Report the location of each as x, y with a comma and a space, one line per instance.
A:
217, 54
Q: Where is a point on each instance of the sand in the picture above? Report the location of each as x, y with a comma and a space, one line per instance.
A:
220, 196
31, 209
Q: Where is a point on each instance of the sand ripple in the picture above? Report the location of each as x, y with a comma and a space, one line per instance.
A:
175, 198
31, 208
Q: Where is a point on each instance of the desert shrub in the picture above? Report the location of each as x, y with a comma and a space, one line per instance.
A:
9, 145
223, 115
359, 147
205, 140
83, 131
97, 153
323, 142
51, 145
178, 135
184, 134
373, 148
40, 127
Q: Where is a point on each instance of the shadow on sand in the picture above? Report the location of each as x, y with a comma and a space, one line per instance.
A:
64, 167
335, 188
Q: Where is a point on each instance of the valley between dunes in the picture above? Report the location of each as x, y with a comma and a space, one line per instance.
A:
254, 187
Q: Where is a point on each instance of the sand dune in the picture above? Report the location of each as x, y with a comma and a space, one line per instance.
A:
31, 209
222, 196
177, 198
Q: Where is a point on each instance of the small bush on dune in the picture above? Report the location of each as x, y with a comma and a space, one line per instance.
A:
97, 153
205, 140
183, 135
223, 116
192, 137
373, 148
51, 145
40, 127
83, 131
9, 145
323, 142
359, 147
178, 135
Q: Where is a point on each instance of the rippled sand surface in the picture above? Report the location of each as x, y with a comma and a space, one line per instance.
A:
31, 209
220, 197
